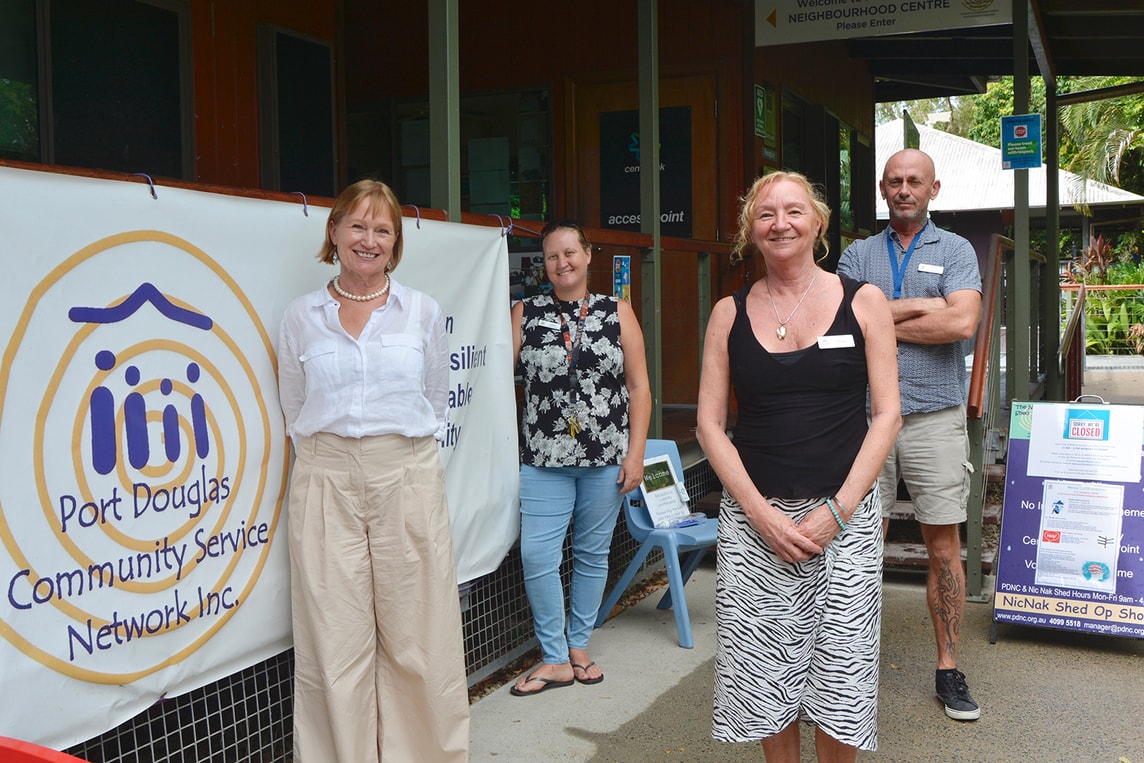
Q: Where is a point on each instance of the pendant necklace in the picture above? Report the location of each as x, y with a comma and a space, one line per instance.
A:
780, 332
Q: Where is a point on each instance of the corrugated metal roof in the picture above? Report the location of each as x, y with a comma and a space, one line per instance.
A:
971, 175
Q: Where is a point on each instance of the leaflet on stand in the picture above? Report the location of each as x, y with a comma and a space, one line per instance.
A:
664, 494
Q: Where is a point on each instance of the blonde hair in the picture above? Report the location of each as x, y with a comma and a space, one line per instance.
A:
747, 213
380, 197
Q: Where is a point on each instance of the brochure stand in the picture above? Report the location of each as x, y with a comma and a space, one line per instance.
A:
1072, 523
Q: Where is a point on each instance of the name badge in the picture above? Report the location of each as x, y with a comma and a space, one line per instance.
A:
549, 324
835, 342
925, 268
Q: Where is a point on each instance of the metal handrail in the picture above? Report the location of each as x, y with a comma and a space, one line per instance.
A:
1070, 357
983, 404
1071, 327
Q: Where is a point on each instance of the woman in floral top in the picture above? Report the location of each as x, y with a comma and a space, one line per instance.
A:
587, 404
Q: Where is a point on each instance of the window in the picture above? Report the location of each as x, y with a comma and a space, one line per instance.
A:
19, 92
862, 184
845, 178
855, 183
99, 85
505, 153
793, 136
296, 112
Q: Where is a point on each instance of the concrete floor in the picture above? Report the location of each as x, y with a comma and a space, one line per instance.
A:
1117, 379
1047, 696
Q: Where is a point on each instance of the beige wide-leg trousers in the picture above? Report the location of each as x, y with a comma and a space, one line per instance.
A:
379, 655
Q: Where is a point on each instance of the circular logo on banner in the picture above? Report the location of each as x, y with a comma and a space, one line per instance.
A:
148, 462
1020, 131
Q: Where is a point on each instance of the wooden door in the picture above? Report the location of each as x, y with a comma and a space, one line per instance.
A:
592, 105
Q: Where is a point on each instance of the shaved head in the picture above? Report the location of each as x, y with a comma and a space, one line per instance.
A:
908, 185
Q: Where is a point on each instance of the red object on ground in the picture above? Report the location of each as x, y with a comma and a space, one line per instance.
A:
15, 751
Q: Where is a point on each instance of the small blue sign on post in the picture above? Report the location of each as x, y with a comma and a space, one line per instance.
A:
622, 277
1021, 142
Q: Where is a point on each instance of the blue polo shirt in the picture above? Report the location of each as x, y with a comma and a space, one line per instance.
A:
932, 377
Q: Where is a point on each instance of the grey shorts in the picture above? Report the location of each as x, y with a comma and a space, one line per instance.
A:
931, 455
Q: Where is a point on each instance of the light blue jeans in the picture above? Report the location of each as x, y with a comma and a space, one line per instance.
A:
550, 498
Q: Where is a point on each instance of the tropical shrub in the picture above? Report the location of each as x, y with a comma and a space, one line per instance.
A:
1114, 318
1111, 321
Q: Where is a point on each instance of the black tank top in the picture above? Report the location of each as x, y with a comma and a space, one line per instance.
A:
802, 414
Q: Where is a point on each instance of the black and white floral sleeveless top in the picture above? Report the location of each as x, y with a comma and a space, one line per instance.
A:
600, 403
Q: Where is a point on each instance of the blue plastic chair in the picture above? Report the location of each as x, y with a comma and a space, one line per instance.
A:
683, 549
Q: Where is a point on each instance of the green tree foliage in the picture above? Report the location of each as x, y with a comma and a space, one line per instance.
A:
983, 112
1107, 135
1114, 319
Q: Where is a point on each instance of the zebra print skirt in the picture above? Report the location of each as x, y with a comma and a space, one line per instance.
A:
798, 641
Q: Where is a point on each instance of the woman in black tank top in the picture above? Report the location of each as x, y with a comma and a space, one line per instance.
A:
799, 571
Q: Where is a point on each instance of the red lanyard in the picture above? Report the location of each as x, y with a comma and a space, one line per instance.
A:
573, 348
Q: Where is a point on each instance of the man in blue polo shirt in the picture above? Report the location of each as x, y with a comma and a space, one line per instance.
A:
933, 282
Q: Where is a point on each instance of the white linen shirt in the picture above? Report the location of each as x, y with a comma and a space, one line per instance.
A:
393, 379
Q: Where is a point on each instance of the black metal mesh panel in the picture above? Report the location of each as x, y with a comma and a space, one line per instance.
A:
244, 717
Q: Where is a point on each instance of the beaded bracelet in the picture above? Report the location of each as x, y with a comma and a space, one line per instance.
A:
834, 511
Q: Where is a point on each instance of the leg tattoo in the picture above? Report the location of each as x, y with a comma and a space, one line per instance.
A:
947, 605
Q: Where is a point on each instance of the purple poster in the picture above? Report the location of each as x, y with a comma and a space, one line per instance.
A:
1072, 526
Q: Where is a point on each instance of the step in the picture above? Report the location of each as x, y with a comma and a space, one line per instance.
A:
990, 513
911, 555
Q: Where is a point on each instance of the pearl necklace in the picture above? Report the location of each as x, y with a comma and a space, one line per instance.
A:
363, 297
780, 332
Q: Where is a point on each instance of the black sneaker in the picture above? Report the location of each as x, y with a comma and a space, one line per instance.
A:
951, 688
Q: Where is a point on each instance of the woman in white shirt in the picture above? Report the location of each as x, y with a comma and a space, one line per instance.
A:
363, 381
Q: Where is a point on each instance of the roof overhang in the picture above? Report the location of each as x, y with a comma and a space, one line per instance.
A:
1066, 38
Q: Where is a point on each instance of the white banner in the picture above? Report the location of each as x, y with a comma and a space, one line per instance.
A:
143, 460
780, 22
